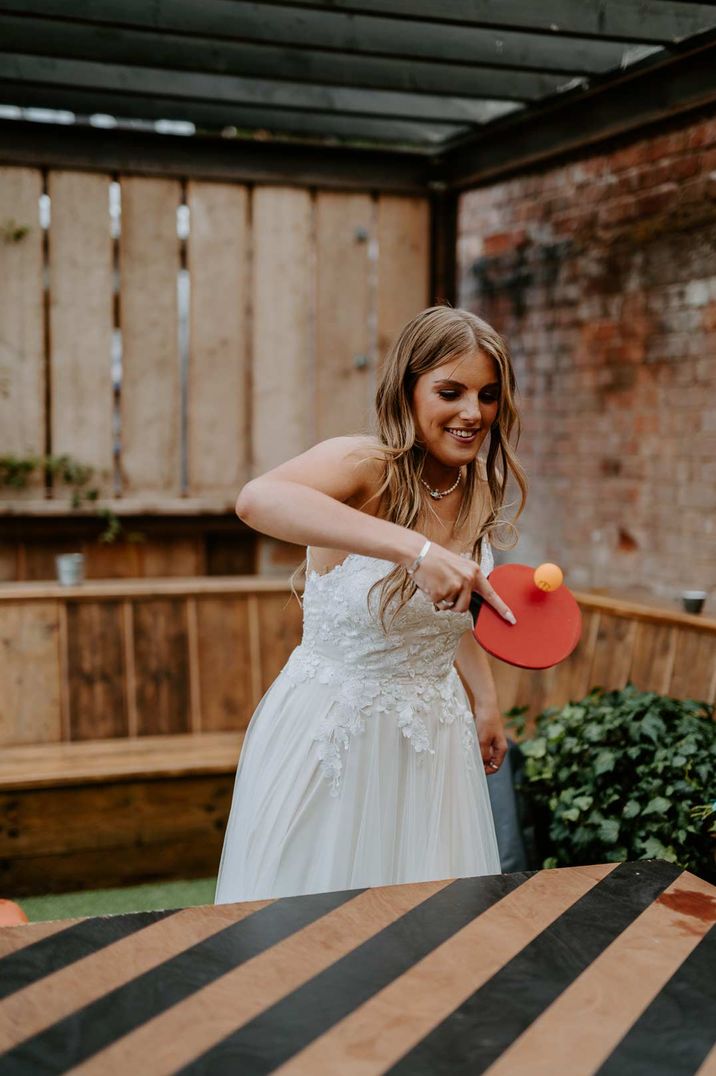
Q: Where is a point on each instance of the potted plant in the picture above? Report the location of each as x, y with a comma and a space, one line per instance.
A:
620, 775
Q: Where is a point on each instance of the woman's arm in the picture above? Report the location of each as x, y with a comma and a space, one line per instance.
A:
474, 671
301, 501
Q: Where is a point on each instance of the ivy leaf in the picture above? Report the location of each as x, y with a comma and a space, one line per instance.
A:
657, 805
604, 762
654, 849
631, 809
609, 830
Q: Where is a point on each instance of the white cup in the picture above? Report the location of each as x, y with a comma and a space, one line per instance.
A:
70, 569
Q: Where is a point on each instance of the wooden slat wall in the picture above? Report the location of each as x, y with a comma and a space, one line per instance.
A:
403, 264
151, 394
22, 347
80, 281
295, 296
283, 272
31, 672
177, 656
344, 389
218, 260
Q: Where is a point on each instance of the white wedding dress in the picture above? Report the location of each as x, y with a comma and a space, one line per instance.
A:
361, 764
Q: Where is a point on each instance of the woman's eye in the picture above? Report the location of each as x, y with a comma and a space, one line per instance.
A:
448, 394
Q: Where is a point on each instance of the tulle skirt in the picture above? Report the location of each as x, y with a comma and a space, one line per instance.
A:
401, 814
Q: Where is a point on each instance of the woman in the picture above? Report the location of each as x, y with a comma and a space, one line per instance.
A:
364, 763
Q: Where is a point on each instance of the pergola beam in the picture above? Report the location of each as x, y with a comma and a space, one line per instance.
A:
93, 149
661, 91
179, 58
616, 20
218, 116
326, 31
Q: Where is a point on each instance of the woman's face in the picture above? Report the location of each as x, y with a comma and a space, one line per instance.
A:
463, 394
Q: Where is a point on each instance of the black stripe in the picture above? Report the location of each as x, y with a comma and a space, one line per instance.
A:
292, 1023
98, 1024
677, 1031
55, 952
472, 1037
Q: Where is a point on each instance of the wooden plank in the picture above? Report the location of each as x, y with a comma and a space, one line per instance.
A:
115, 560
344, 388
403, 265
80, 267
613, 652
194, 669
694, 675
225, 660
181, 557
280, 628
22, 353
143, 588
130, 667
96, 671
95, 761
653, 657
217, 418
572, 679
151, 397
9, 562
161, 656
29, 673
282, 382
59, 839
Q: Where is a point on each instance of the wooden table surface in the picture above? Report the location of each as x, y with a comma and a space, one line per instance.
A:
607, 969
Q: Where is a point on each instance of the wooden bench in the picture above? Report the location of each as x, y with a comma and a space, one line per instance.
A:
113, 812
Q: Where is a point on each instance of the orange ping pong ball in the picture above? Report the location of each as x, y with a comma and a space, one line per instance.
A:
548, 577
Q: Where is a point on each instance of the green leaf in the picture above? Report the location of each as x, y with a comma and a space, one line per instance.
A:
631, 809
604, 762
536, 748
609, 830
657, 805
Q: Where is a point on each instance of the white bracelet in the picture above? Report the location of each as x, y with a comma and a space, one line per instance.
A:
419, 559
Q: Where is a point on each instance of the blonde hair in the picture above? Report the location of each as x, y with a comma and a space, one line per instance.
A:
433, 337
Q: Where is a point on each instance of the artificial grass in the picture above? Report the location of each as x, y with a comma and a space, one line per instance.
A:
136, 898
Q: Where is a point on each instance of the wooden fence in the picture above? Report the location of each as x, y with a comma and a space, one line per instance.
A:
182, 337
133, 659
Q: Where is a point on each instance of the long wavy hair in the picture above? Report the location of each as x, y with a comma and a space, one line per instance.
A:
430, 339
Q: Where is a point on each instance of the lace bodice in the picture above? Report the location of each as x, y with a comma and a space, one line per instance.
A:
408, 672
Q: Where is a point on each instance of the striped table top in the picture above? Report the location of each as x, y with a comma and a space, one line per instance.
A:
607, 969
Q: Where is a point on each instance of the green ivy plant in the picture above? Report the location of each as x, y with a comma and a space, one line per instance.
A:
15, 472
621, 775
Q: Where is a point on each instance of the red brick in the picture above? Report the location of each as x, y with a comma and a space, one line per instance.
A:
502, 242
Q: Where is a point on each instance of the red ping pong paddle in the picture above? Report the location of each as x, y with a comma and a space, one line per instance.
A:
549, 622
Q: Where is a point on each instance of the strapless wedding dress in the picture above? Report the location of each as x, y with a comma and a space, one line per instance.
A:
361, 764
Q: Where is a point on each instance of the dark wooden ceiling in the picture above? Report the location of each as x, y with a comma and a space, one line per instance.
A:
476, 85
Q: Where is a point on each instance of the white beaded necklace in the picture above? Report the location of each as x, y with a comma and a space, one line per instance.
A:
435, 493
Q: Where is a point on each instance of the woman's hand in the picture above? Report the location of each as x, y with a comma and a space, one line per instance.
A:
446, 576
491, 734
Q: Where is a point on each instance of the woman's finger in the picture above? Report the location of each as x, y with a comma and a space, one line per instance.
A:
483, 588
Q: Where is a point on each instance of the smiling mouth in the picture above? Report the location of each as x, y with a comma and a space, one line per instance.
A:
462, 435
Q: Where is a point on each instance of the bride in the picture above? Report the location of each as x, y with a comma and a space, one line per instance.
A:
366, 761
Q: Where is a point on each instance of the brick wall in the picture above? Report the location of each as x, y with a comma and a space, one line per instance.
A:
601, 274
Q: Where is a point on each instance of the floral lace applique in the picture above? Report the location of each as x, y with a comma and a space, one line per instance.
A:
409, 675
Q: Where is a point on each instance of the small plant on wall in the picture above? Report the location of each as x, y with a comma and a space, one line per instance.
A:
621, 775
16, 471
